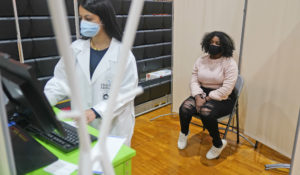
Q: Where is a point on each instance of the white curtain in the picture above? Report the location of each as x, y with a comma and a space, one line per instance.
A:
270, 66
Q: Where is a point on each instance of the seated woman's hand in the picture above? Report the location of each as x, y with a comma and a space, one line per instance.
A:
199, 102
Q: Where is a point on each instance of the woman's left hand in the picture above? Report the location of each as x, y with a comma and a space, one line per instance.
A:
90, 115
207, 98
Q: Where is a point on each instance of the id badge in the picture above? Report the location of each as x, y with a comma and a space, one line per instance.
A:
105, 87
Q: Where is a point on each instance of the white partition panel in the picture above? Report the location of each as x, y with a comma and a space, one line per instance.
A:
192, 19
270, 67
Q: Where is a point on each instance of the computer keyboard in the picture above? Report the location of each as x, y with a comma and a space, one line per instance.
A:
65, 144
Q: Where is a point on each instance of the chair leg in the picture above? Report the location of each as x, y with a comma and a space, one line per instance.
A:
237, 125
227, 126
256, 144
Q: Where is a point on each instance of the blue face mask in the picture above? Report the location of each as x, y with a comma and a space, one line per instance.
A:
89, 29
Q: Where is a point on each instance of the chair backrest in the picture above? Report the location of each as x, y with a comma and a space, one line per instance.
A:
238, 86
237, 91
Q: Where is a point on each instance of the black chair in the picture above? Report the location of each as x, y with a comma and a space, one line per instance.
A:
154, 64
125, 7
167, 61
167, 48
139, 38
11, 47
167, 21
153, 36
8, 28
167, 35
138, 52
160, 90
43, 67
237, 90
153, 50
119, 19
141, 24
117, 4
43, 81
153, 7
142, 98
70, 7
168, 7
153, 22
141, 67
39, 8
6, 8
42, 26
44, 47
124, 20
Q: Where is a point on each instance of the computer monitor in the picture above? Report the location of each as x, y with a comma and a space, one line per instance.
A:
23, 90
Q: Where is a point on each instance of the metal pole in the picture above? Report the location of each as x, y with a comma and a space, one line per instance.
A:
242, 35
292, 172
127, 42
76, 19
19, 41
59, 20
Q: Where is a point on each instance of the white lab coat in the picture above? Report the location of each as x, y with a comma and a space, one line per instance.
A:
94, 92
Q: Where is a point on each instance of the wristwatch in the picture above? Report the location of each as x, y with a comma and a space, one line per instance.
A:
203, 95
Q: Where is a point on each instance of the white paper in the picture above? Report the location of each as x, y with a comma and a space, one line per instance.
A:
113, 145
61, 167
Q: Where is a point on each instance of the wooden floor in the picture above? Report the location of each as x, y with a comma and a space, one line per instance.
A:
156, 145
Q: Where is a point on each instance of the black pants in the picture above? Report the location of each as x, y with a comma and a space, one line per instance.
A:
209, 118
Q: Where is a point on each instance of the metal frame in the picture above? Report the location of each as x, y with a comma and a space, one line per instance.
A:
242, 35
295, 143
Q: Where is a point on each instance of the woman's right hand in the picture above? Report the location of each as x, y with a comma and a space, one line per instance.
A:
199, 102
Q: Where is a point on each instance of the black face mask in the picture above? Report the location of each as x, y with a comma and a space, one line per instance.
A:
214, 50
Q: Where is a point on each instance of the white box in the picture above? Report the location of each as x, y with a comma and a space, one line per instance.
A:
158, 74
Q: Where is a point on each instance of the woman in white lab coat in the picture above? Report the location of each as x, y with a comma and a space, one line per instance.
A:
95, 66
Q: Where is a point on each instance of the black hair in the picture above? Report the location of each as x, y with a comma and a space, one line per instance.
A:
226, 43
107, 15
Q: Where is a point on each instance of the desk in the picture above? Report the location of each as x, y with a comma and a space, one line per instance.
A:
121, 163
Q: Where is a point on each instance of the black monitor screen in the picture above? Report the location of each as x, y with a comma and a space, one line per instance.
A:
22, 88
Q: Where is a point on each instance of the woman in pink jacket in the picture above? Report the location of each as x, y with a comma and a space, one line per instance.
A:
213, 79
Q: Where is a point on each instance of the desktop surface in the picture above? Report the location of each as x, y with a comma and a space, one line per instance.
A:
124, 155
